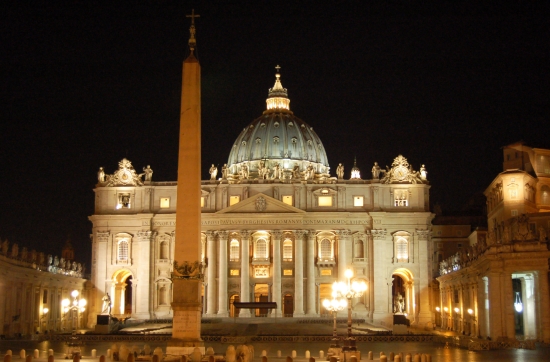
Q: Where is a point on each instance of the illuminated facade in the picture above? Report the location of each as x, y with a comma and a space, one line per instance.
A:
498, 286
276, 226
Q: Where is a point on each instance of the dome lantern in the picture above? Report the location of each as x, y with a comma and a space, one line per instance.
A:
277, 99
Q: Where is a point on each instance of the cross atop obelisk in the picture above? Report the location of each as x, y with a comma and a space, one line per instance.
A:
192, 41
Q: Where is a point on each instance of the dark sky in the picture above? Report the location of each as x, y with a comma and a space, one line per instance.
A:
84, 84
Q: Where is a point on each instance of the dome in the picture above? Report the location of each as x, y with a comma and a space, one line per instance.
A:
278, 137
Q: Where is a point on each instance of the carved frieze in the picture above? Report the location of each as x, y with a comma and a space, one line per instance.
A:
379, 234
102, 236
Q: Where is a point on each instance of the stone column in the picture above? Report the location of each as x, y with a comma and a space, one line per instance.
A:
299, 275
211, 274
222, 275
311, 290
343, 241
423, 302
277, 292
245, 272
508, 295
543, 297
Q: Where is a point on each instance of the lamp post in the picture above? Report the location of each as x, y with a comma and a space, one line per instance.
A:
349, 290
78, 305
335, 305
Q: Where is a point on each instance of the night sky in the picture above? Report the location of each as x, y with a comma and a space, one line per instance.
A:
84, 84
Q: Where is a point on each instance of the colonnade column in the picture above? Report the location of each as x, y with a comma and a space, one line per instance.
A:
299, 275
211, 277
311, 290
245, 272
276, 235
343, 240
543, 297
222, 275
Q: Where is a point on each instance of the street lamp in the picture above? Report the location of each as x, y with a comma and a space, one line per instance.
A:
335, 305
78, 305
349, 290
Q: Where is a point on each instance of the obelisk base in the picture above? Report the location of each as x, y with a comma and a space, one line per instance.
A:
186, 325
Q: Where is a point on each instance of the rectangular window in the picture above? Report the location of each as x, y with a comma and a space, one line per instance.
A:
358, 201
233, 200
123, 201
514, 212
287, 272
287, 200
234, 272
45, 297
326, 272
164, 202
325, 200
202, 201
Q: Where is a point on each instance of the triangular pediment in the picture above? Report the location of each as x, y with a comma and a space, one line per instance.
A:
260, 203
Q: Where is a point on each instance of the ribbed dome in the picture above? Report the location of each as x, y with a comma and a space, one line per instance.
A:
278, 137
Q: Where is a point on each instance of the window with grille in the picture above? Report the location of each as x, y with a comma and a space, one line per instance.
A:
261, 249
402, 250
234, 250
287, 250
326, 249
123, 250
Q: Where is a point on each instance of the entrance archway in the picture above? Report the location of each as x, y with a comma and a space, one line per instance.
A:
261, 294
232, 310
122, 294
402, 298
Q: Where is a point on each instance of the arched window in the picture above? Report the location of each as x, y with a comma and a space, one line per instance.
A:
326, 249
123, 250
162, 296
402, 250
358, 249
164, 250
287, 250
234, 250
545, 195
261, 249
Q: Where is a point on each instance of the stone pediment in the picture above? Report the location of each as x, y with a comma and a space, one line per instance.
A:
260, 203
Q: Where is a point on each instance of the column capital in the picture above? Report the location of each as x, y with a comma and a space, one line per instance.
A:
223, 234
300, 233
276, 234
422, 233
245, 233
210, 234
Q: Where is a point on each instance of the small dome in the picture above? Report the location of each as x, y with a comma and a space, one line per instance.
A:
278, 137
355, 171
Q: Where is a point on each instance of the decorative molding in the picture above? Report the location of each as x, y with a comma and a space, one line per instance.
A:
379, 234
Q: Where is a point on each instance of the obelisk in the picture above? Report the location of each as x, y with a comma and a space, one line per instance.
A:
188, 269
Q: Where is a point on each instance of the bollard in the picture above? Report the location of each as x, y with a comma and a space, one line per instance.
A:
22, 354
333, 359
264, 353
7, 358
209, 351
36, 353
264, 358
130, 358
401, 356
416, 358
288, 359
408, 358
370, 357
429, 357
196, 356
311, 359
392, 357
76, 357
423, 358
294, 354
183, 358
308, 355
50, 352
44, 354
155, 358
383, 358
321, 355
353, 359
108, 353
211, 358
279, 354
8, 352
102, 358
50, 357
28, 358
397, 358
382, 354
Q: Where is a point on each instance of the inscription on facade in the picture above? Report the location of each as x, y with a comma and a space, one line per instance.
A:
271, 222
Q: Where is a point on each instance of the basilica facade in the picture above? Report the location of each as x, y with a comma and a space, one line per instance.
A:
276, 226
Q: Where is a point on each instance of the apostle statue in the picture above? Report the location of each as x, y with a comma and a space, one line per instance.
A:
296, 172
101, 175
106, 309
213, 172
225, 170
375, 171
244, 171
148, 171
340, 171
423, 173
